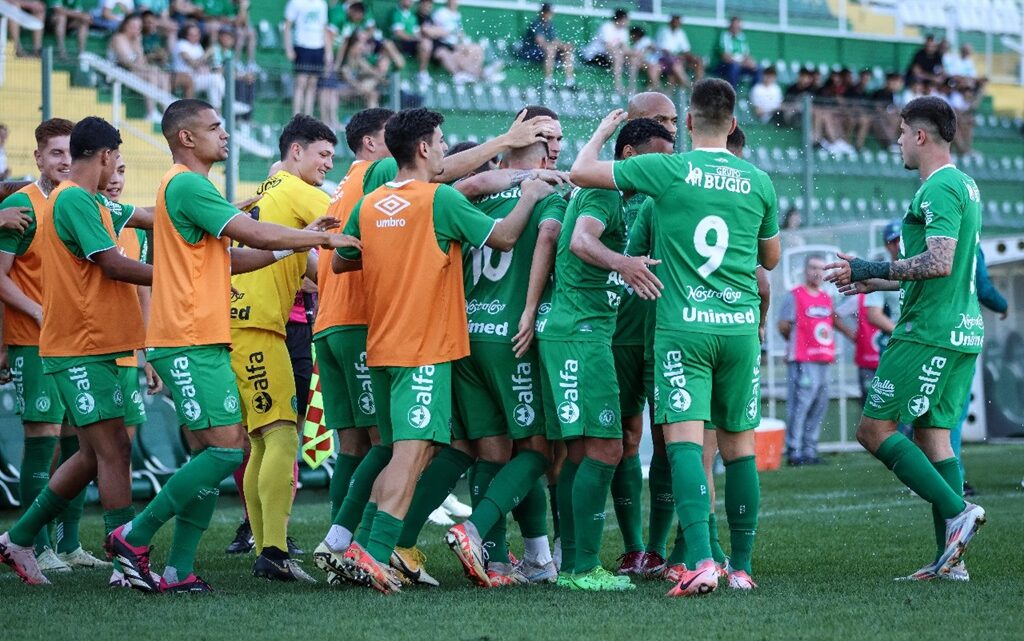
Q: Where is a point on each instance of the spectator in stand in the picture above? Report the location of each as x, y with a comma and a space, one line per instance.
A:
766, 96
792, 220
808, 321
926, 63
235, 14
347, 19
829, 116
155, 43
675, 56
245, 74
965, 104
70, 14
36, 8
125, 48
793, 97
405, 31
859, 112
183, 11
161, 9
5, 169
960, 67
732, 54
306, 35
191, 59
455, 52
610, 48
109, 15
916, 89
882, 117
540, 43
362, 79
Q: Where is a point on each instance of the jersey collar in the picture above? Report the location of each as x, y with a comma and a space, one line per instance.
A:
948, 164
713, 149
396, 184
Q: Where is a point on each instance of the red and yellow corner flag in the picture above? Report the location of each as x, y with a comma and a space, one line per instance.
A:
317, 440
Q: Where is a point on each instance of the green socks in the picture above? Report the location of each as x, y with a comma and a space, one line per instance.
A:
532, 512
717, 553
663, 505
553, 498
950, 470
67, 522
344, 466
35, 474
366, 524
626, 485
690, 488
46, 506
513, 481
440, 477
200, 477
742, 504
911, 466
383, 537
678, 549
484, 473
113, 519
566, 480
352, 507
189, 526
589, 495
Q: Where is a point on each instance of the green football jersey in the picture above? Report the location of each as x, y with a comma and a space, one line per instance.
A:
943, 312
586, 298
711, 209
496, 281
629, 326
641, 243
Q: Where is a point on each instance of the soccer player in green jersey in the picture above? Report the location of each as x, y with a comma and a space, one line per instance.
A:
497, 391
576, 352
634, 369
714, 221
927, 368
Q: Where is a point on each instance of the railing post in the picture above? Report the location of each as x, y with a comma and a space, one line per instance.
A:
231, 169
807, 127
682, 104
783, 14
396, 92
720, 11
115, 104
47, 83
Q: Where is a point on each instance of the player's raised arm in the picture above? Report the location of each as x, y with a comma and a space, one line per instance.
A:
522, 133
498, 180
588, 170
540, 274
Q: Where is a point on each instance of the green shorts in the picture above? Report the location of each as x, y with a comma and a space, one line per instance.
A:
584, 393
708, 377
497, 394
201, 383
134, 406
413, 403
36, 393
919, 384
346, 386
91, 392
629, 372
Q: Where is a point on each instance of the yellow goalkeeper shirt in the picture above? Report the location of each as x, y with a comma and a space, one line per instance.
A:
263, 299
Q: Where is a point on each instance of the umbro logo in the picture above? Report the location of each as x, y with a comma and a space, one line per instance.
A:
391, 205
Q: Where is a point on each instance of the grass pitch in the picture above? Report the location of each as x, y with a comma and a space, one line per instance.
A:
831, 540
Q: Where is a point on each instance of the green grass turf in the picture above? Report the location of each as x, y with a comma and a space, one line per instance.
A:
831, 540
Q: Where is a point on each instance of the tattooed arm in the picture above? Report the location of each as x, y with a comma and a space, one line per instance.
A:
934, 262
498, 180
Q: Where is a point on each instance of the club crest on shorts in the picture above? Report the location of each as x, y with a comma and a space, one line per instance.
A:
85, 403
191, 409
118, 397
568, 412
230, 403
366, 404
42, 404
524, 415
606, 417
419, 416
918, 405
679, 400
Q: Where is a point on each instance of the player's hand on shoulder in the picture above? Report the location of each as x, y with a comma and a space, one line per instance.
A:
635, 270
244, 205
337, 241
324, 223
16, 218
552, 176
536, 188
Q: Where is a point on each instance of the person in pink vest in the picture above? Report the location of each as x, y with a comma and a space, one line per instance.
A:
808, 322
874, 325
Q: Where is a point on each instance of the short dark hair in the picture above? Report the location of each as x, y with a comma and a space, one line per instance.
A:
179, 113
770, 69
365, 123
469, 144
406, 129
712, 103
52, 128
304, 129
933, 111
639, 132
536, 111
357, 6
545, 8
92, 135
737, 140
620, 14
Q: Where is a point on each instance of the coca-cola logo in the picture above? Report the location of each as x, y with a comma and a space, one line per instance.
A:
701, 294
487, 307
